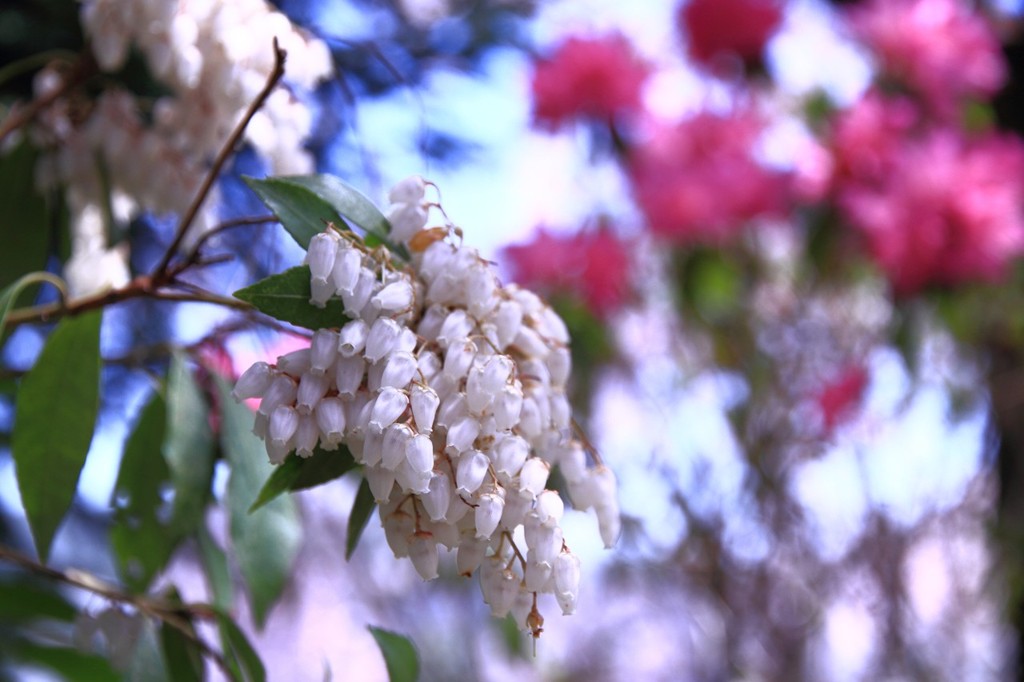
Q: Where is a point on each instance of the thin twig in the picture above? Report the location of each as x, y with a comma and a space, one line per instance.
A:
84, 68
167, 612
163, 274
193, 255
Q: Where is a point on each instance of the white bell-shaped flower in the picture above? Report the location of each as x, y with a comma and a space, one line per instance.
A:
254, 382
488, 513
323, 351
424, 403
423, 553
381, 338
352, 338
388, 406
330, 418
470, 472
321, 253
396, 438
348, 375
283, 423
438, 496
312, 387
280, 392
348, 264
419, 452
408, 190
399, 369
395, 297
307, 435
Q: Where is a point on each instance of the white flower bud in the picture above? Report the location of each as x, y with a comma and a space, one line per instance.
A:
323, 351
408, 190
561, 412
396, 438
424, 403
399, 369
530, 425
438, 496
312, 387
419, 452
549, 508
499, 587
423, 553
510, 455
559, 366
296, 363
373, 448
543, 539
381, 338
537, 573
530, 343
348, 375
280, 392
609, 523
307, 435
348, 264
406, 342
488, 513
374, 374
283, 423
567, 581
330, 418
437, 258
352, 338
458, 359
381, 482
517, 505
406, 220
533, 476
412, 481
552, 326
469, 555
260, 425
389, 406
522, 605
320, 291
395, 297
456, 328
461, 435
356, 299
398, 527
453, 409
430, 323
508, 318
470, 472
508, 405
572, 461
254, 382
323, 248
480, 286
277, 452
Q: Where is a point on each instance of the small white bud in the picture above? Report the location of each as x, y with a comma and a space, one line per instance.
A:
254, 382
424, 403
381, 338
508, 318
320, 291
323, 351
307, 435
348, 264
533, 476
330, 417
419, 452
458, 359
399, 369
438, 496
549, 508
323, 248
510, 455
406, 220
352, 338
280, 392
312, 387
423, 553
470, 472
396, 437
389, 406
359, 296
348, 375
408, 190
457, 327
296, 363
283, 423
488, 513
398, 525
395, 297
508, 405
462, 433
381, 482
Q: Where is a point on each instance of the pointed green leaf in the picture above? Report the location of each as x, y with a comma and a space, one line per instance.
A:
265, 543
243, 660
23, 599
55, 416
399, 655
26, 229
70, 664
362, 509
188, 447
286, 297
299, 473
142, 544
182, 655
215, 565
301, 212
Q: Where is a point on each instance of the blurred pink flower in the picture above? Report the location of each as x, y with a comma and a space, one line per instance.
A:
592, 265
942, 49
837, 401
868, 135
699, 181
720, 28
948, 210
588, 77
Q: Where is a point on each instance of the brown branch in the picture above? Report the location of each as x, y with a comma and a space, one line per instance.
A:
83, 69
167, 612
163, 274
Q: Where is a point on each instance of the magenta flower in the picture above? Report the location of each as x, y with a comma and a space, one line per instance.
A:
720, 28
591, 265
599, 78
839, 399
699, 181
940, 49
948, 210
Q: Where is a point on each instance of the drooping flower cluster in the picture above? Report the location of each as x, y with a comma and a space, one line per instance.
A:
449, 389
214, 58
600, 78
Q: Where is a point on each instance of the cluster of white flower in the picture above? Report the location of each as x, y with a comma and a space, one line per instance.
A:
449, 389
214, 57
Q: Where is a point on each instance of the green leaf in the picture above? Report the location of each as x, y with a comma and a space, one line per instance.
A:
362, 509
399, 655
24, 600
71, 664
182, 655
10, 295
55, 416
142, 544
241, 658
188, 447
306, 203
286, 297
26, 232
215, 565
265, 543
299, 473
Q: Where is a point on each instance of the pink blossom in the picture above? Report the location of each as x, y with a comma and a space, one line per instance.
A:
699, 181
838, 399
941, 49
591, 265
588, 77
867, 136
719, 28
948, 210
